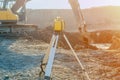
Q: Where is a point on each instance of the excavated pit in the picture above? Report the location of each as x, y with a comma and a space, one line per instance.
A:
78, 42
74, 38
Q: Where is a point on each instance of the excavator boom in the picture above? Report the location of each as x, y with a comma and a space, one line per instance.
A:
18, 4
77, 12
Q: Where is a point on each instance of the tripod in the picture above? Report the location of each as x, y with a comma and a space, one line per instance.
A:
51, 53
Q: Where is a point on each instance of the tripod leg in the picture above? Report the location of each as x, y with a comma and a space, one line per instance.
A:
73, 51
51, 58
86, 74
48, 50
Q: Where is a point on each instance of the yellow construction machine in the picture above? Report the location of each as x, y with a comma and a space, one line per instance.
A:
12, 17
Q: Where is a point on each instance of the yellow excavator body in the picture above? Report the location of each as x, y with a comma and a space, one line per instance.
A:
8, 16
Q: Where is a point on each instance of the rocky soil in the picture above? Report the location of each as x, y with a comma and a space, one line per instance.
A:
20, 60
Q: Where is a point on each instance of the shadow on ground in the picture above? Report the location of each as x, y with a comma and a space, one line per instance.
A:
12, 61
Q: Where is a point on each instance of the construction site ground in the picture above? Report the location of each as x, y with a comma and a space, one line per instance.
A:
20, 60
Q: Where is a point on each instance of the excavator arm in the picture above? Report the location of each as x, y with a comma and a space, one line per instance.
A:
18, 4
81, 24
78, 14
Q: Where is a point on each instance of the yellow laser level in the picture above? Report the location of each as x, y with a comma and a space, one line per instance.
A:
59, 24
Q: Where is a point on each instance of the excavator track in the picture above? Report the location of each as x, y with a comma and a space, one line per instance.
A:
17, 29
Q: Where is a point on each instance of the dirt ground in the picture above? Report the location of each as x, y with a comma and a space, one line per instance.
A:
20, 60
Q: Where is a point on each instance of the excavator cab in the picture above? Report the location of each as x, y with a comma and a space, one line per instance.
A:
6, 15
12, 11
6, 4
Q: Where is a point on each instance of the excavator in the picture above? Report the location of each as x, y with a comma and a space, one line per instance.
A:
12, 17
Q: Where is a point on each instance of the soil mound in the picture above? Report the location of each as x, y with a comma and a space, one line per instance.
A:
74, 37
115, 41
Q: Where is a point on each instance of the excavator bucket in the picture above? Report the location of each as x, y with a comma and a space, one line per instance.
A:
80, 21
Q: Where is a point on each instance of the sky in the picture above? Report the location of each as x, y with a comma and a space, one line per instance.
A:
64, 4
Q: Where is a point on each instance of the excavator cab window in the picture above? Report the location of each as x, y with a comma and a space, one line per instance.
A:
6, 4
1, 4
10, 4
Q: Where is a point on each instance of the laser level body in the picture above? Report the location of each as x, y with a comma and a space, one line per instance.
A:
59, 24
